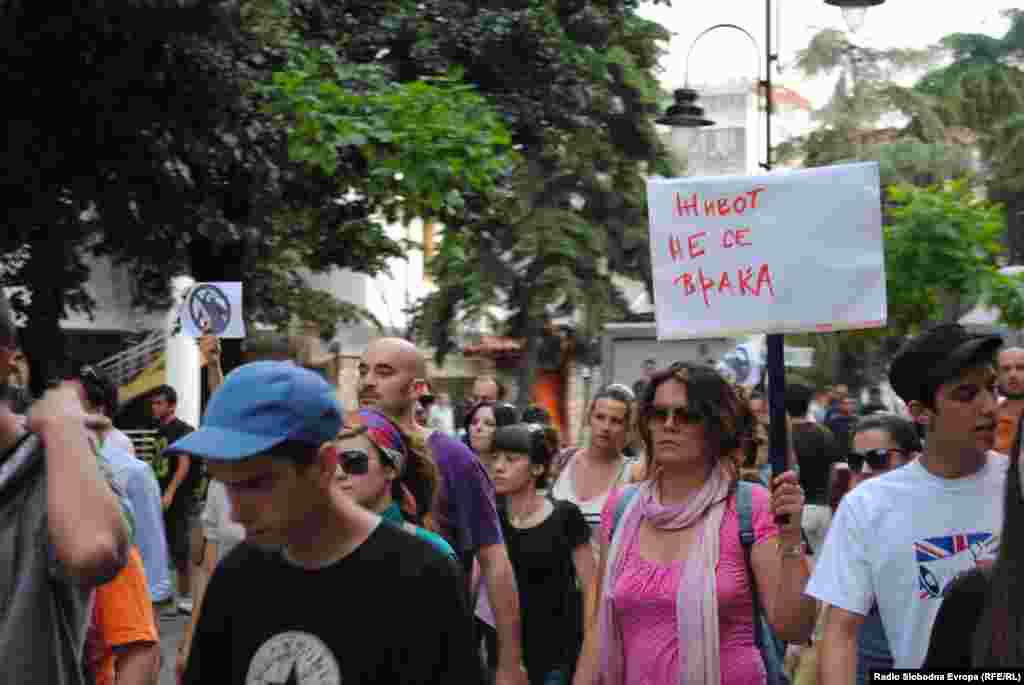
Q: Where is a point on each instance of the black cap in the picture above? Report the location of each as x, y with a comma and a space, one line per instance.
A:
937, 356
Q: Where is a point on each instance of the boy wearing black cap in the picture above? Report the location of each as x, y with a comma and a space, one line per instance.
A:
900, 539
320, 591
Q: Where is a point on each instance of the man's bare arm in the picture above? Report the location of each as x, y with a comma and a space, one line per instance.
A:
137, 663
837, 657
504, 596
88, 529
184, 461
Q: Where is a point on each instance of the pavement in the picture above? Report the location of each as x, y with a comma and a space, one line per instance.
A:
171, 631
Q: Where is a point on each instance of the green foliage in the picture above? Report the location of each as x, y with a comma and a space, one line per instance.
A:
862, 94
981, 88
953, 238
420, 142
578, 99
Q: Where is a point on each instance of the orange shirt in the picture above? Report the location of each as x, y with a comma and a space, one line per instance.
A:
1007, 416
123, 614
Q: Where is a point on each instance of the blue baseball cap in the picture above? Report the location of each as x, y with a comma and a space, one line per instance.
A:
261, 405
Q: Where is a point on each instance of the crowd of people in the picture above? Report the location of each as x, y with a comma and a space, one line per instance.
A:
310, 544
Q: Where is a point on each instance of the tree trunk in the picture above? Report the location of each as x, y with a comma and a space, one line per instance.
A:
953, 306
42, 338
1014, 202
527, 375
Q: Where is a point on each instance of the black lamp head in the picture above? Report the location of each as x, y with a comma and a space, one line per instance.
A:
684, 112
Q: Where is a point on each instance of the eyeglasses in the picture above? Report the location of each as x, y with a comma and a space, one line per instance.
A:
878, 458
354, 462
680, 415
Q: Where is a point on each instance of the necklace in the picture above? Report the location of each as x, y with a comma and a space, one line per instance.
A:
521, 520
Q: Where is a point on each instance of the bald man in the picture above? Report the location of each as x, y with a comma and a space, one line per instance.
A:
1011, 385
392, 376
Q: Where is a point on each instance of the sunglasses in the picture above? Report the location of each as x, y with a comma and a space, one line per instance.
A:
879, 458
354, 462
680, 415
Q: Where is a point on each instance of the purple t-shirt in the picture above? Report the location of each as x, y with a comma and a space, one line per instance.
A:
465, 509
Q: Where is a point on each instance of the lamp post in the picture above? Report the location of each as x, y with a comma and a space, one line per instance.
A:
685, 113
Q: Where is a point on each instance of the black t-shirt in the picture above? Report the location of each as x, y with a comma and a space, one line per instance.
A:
394, 611
166, 464
842, 427
958, 618
549, 599
816, 450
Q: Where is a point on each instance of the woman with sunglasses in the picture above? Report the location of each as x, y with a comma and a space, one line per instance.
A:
881, 443
676, 602
377, 470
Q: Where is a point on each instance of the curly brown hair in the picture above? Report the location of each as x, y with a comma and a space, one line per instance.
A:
728, 422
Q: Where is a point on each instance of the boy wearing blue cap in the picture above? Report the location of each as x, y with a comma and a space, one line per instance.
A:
313, 556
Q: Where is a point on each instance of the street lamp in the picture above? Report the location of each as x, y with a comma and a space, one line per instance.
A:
854, 11
684, 115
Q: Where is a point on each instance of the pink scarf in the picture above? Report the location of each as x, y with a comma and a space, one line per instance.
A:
697, 598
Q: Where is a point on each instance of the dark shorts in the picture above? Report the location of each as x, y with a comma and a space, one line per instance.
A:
178, 523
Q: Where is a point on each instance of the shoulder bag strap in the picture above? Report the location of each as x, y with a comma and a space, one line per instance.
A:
745, 511
628, 493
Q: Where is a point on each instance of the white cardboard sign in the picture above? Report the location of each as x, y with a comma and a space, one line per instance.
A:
217, 304
792, 252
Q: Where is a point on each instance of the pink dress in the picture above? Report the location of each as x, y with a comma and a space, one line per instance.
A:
645, 604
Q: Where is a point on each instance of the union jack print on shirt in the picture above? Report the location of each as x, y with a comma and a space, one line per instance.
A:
940, 560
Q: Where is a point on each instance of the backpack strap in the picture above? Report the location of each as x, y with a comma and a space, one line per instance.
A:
628, 493
564, 456
745, 512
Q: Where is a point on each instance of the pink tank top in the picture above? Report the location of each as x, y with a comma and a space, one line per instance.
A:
645, 604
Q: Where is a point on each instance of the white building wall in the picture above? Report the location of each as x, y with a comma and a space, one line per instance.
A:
113, 287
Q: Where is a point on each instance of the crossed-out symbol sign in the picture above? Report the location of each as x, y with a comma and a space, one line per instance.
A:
207, 304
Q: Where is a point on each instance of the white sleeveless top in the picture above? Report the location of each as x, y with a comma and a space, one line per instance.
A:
591, 508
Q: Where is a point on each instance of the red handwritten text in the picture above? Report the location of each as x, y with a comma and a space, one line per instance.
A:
736, 238
691, 205
745, 285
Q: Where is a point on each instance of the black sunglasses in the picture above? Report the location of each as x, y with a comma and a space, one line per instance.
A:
878, 458
680, 415
354, 462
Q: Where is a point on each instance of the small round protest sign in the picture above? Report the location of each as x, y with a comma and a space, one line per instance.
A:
208, 305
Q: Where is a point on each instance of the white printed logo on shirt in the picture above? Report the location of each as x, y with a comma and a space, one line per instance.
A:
940, 560
293, 658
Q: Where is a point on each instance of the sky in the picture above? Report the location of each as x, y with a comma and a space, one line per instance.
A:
724, 54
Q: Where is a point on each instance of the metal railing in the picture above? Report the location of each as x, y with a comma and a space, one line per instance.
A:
127, 364
147, 443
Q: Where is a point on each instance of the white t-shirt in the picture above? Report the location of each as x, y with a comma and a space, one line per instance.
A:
216, 520
900, 539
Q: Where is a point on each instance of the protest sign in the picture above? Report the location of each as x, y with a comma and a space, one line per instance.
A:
217, 305
790, 252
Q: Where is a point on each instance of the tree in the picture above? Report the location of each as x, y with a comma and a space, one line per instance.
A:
952, 236
580, 108
196, 168
982, 88
864, 94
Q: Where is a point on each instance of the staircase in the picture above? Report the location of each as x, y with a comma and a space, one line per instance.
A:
122, 367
